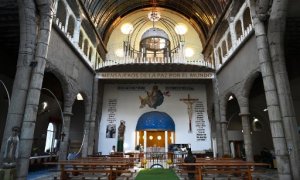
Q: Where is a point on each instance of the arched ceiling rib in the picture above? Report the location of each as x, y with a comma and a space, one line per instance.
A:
201, 13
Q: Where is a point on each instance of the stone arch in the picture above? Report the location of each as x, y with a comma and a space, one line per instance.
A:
60, 76
248, 83
69, 87
234, 111
86, 98
61, 12
223, 104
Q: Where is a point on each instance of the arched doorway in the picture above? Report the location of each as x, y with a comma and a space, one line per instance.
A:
259, 121
155, 131
235, 129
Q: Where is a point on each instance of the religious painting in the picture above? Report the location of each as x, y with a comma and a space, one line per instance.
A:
111, 131
154, 98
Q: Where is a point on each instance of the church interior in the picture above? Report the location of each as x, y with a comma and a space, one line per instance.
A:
149, 80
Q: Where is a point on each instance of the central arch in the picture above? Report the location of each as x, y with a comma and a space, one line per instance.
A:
155, 131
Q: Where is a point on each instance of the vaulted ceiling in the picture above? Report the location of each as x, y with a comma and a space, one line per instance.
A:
202, 14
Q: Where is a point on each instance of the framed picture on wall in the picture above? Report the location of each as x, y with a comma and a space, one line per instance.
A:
111, 131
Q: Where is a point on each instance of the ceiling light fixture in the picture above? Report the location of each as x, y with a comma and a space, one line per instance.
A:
127, 28
180, 29
189, 52
154, 15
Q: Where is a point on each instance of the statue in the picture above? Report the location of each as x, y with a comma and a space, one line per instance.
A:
121, 131
11, 149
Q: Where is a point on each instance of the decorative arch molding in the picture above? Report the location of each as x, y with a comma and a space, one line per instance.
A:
69, 86
248, 83
86, 99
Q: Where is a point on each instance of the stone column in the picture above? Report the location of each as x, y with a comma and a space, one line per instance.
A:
34, 91
219, 140
226, 150
259, 11
64, 142
91, 142
244, 114
23, 72
276, 34
217, 119
86, 131
247, 136
223, 124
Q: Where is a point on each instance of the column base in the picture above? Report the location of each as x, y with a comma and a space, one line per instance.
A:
8, 174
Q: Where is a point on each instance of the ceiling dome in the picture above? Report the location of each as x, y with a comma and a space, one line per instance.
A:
155, 121
155, 32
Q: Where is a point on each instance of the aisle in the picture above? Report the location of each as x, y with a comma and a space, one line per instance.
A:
157, 174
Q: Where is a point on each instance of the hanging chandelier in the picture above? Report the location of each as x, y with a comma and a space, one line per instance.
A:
154, 15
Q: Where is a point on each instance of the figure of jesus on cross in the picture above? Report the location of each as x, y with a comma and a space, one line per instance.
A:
189, 102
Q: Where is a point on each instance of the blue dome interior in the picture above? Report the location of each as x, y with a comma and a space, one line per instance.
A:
155, 121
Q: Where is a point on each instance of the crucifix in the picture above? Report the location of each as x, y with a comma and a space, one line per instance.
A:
189, 102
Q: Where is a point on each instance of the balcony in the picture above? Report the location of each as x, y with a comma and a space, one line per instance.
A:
135, 61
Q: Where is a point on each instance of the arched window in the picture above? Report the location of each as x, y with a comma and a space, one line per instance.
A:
246, 18
220, 55
50, 138
229, 42
224, 48
61, 13
238, 29
71, 26
90, 53
85, 47
80, 39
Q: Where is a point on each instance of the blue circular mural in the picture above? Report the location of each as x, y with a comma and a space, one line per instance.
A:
155, 120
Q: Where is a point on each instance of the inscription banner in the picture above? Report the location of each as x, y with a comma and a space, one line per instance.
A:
155, 75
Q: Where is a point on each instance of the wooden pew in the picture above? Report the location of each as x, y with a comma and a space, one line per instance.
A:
235, 168
84, 168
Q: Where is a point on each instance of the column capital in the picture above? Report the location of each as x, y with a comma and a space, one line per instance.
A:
68, 113
244, 114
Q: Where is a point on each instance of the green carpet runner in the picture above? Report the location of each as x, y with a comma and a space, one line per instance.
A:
157, 174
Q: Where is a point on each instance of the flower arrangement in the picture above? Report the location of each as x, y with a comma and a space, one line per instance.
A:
169, 161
